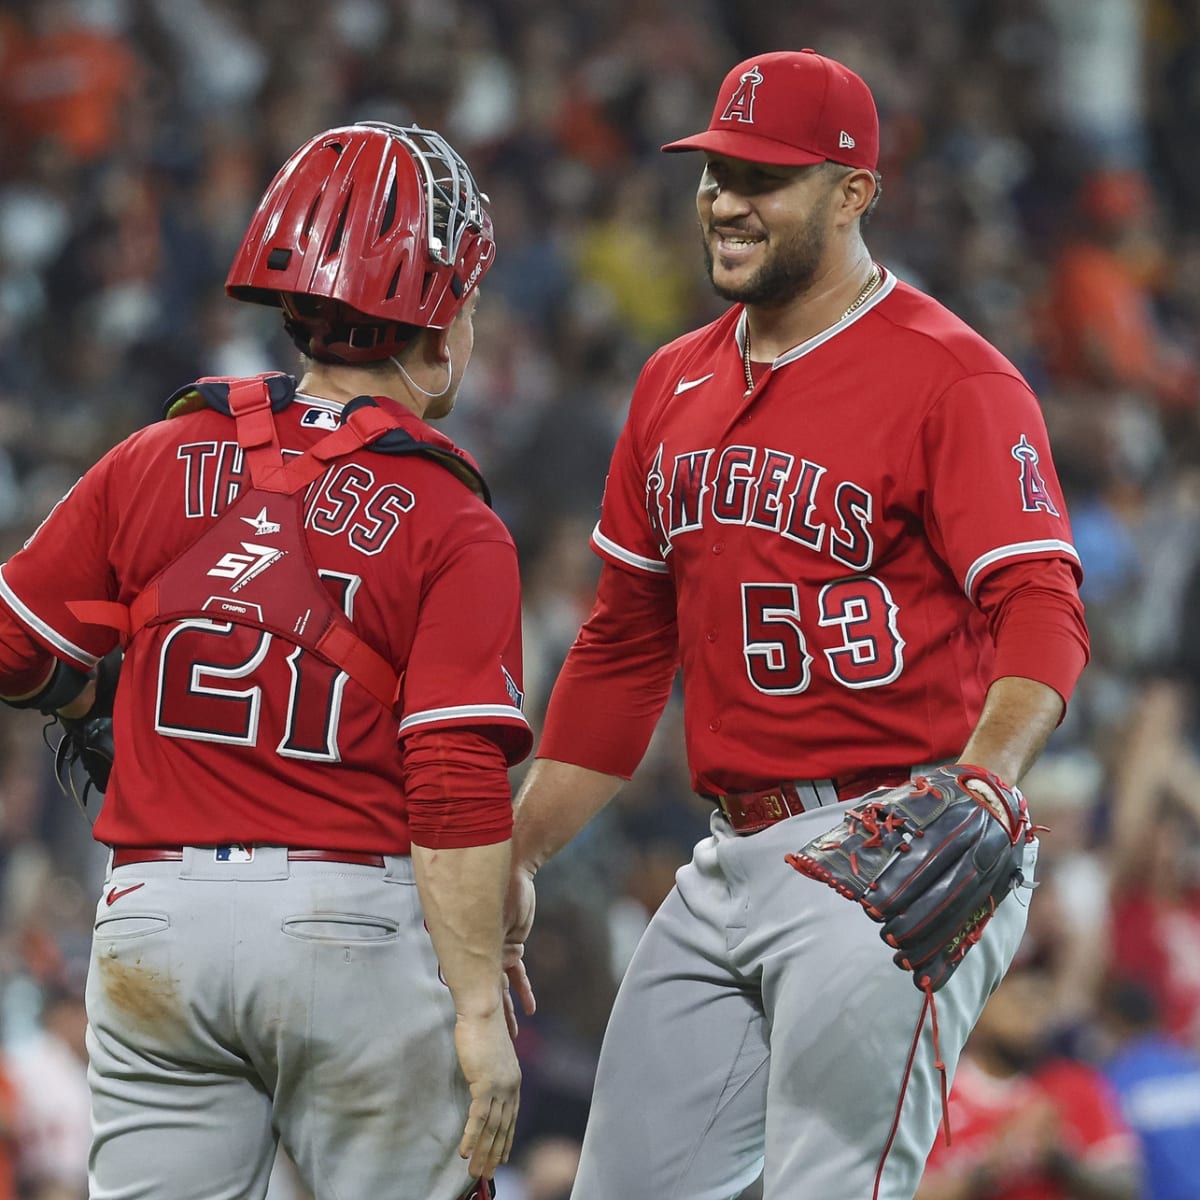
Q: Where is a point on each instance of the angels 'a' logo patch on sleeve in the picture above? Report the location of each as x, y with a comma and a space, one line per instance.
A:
1034, 496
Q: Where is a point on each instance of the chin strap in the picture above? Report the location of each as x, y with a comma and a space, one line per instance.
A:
428, 395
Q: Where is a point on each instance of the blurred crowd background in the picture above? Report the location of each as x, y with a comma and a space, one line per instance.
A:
1040, 178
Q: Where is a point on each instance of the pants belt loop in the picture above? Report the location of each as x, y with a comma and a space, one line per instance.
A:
817, 793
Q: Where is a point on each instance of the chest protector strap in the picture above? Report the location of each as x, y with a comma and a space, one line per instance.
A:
253, 566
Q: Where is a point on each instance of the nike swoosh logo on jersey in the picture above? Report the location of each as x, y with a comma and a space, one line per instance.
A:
117, 893
686, 385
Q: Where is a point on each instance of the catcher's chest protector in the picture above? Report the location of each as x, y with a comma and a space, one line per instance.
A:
252, 566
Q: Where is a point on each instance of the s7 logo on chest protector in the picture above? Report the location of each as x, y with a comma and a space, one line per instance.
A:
1034, 495
242, 568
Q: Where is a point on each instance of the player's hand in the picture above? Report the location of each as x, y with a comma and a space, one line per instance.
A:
518, 920
489, 1063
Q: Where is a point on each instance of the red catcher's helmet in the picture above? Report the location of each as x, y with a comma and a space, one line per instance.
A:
366, 231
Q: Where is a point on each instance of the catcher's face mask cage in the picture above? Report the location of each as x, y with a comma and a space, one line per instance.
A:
367, 231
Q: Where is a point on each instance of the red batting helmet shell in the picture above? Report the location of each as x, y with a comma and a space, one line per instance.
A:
365, 232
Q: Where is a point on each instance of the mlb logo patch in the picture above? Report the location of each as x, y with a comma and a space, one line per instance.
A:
235, 853
319, 418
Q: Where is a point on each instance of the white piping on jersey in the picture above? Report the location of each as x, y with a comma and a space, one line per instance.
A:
433, 715
788, 356
654, 565
1016, 550
319, 402
35, 623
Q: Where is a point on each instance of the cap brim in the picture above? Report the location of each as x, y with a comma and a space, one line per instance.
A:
748, 146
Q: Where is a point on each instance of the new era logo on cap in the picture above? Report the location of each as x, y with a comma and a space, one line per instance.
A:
792, 108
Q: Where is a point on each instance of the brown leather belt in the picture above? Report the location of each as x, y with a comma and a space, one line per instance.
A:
749, 812
131, 855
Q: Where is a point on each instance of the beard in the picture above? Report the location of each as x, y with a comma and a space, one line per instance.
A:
788, 271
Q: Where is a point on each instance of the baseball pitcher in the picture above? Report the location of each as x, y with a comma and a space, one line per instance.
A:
834, 510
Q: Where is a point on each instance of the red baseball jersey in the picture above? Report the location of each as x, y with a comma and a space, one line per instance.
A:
1076, 1101
226, 733
827, 532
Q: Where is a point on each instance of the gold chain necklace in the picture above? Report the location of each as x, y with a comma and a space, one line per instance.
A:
872, 282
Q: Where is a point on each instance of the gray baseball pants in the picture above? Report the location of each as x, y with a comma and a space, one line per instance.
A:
231, 1004
762, 1027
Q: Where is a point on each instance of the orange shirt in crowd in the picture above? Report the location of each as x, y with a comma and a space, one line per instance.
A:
69, 84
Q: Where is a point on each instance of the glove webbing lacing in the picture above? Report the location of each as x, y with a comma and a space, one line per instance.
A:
877, 821
938, 1062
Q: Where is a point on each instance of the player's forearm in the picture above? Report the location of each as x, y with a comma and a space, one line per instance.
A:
556, 801
1018, 717
462, 893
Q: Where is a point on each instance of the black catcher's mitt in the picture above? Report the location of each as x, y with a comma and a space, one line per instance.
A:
929, 860
88, 740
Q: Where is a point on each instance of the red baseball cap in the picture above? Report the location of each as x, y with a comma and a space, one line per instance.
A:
792, 108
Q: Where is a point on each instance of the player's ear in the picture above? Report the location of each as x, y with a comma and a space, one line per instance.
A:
436, 348
855, 191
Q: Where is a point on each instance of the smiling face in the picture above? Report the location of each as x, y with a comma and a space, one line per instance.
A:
765, 228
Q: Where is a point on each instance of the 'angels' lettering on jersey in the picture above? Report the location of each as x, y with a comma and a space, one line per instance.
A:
347, 503
763, 488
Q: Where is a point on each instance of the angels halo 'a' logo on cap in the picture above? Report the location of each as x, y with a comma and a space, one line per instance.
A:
791, 108
741, 103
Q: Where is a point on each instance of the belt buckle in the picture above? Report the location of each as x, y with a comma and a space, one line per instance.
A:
774, 804
751, 812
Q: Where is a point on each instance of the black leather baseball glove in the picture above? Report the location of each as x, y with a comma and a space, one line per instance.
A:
88, 740
929, 860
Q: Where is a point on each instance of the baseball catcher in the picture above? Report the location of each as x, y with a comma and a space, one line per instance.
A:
929, 860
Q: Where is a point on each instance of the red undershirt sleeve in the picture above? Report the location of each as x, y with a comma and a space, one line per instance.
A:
24, 665
457, 789
1036, 620
617, 677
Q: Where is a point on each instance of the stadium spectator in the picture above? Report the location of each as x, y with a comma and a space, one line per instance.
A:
1026, 1125
1157, 1081
1156, 871
1103, 329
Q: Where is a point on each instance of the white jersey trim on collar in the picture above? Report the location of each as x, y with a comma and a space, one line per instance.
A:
1016, 550
464, 713
51, 635
788, 356
319, 402
654, 565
